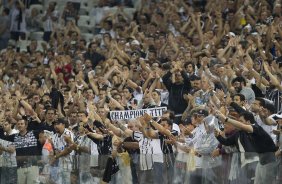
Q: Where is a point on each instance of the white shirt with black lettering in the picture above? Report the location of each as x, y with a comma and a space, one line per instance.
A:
146, 150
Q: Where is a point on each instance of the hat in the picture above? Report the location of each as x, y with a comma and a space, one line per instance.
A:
202, 112
187, 121
60, 120
231, 34
135, 42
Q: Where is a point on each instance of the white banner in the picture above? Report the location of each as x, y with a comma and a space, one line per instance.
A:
131, 114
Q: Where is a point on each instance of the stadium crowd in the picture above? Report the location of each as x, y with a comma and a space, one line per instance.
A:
141, 91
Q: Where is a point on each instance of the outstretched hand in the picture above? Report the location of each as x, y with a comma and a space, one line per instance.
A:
220, 116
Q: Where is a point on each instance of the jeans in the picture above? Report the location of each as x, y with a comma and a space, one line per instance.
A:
134, 168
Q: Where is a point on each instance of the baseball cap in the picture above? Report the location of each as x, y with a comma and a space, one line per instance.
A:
231, 34
201, 112
135, 42
187, 121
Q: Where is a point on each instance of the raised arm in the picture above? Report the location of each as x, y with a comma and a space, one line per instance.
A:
273, 79
166, 80
95, 136
149, 131
120, 130
237, 124
130, 145
117, 131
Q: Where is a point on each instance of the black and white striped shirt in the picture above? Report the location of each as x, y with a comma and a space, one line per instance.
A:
146, 150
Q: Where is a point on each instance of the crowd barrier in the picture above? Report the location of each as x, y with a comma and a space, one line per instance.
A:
125, 168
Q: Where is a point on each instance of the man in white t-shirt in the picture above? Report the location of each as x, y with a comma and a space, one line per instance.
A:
83, 146
49, 19
63, 153
203, 141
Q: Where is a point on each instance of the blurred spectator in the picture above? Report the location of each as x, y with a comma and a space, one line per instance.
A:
50, 19
33, 20
93, 55
18, 21
4, 28
70, 13
178, 84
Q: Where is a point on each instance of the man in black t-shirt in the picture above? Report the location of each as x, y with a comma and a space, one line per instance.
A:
93, 55
252, 138
35, 124
103, 140
26, 144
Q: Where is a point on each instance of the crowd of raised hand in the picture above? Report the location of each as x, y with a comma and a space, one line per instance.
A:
215, 68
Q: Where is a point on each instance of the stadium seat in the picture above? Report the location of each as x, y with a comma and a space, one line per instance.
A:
84, 29
129, 11
36, 35
27, 35
83, 11
89, 4
83, 20
39, 45
37, 6
60, 8
86, 23
22, 44
87, 36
